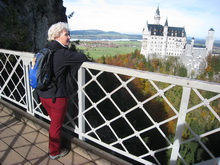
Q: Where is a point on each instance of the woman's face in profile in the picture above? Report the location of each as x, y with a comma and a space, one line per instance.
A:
64, 38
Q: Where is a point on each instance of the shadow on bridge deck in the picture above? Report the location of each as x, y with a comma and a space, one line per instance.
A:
22, 143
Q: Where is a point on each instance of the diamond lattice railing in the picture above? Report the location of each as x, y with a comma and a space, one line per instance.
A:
142, 117
126, 118
144, 123
12, 78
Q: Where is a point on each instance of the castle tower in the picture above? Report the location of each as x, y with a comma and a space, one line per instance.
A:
144, 46
210, 40
157, 16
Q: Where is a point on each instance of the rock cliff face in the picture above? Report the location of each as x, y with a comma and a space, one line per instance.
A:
24, 24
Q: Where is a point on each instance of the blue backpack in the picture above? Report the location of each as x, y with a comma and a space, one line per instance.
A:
41, 74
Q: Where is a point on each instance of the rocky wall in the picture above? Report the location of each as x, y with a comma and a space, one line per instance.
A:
24, 23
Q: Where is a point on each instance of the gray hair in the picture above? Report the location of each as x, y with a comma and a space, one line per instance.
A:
56, 29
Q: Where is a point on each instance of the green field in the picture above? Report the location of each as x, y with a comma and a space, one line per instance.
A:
97, 49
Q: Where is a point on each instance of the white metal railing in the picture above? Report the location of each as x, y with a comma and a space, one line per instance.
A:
171, 120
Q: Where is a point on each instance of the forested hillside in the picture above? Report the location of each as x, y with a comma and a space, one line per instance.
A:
212, 71
137, 61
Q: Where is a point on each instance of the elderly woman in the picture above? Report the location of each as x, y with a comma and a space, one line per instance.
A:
59, 39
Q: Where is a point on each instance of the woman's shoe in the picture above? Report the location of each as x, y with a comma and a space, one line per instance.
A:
63, 152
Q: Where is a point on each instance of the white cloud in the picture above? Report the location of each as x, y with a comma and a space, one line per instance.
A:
129, 16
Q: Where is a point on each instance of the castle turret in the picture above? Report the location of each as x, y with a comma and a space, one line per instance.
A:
145, 29
193, 41
210, 40
165, 37
165, 30
157, 16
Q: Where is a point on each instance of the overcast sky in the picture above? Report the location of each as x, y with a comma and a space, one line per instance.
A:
130, 16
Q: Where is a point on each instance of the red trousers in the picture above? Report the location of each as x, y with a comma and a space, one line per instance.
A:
57, 112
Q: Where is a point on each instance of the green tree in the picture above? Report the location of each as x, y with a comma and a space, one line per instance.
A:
182, 72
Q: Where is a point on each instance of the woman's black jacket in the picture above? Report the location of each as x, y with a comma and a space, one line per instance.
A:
63, 58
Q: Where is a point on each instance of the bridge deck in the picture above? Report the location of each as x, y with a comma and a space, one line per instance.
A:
22, 144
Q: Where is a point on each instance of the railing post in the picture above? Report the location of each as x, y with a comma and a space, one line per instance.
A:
81, 102
180, 125
29, 96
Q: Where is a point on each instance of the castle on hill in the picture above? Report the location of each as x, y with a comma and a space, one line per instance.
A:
164, 41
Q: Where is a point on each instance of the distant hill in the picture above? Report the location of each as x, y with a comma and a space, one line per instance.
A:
111, 35
99, 34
